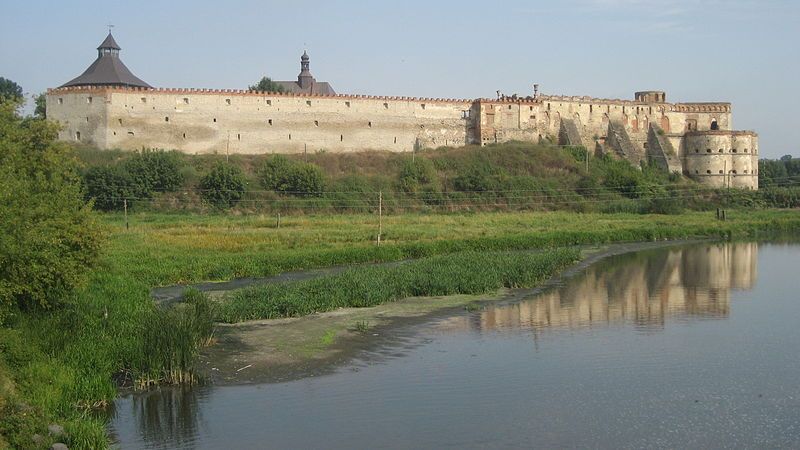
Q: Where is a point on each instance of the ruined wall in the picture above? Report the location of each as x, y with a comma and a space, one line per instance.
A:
212, 121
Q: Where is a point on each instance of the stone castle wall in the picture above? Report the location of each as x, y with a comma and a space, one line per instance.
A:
235, 121
214, 121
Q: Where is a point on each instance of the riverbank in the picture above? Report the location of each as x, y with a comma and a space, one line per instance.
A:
116, 334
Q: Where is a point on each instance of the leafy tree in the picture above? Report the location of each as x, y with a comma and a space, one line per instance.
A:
266, 84
108, 186
154, 171
48, 234
281, 174
10, 91
41, 106
224, 186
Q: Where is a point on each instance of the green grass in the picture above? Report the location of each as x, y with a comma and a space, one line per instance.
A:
458, 273
63, 365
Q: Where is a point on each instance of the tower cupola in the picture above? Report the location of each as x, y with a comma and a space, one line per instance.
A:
305, 79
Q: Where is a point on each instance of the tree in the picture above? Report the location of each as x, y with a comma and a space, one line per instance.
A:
41, 106
266, 84
281, 174
10, 91
48, 233
154, 171
224, 186
108, 186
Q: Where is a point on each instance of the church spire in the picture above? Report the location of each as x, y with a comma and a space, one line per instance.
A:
305, 79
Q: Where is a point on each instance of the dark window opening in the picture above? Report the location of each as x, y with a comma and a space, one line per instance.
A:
77, 135
708, 171
269, 121
184, 135
341, 137
308, 102
120, 121
395, 139
386, 105
347, 104
238, 136
708, 150
369, 124
166, 119
290, 136
228, 101
714, 125
316, 123
721, 151
215, 120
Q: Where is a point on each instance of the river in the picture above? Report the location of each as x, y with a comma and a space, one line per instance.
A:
688, 346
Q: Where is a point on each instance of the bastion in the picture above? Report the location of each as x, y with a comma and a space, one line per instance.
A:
109, 107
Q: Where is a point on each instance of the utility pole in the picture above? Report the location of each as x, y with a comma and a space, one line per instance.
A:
125, 204
380, 216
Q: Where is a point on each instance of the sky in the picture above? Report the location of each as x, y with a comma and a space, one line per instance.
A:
742, 51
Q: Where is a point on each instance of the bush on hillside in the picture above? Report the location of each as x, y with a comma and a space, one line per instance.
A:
154, 171
48, 235
109, 187
283, 175
416, 174
224, 186
475, 179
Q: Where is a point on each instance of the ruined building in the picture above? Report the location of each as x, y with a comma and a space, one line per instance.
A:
107, 106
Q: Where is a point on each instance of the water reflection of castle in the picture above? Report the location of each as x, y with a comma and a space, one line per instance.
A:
643, 288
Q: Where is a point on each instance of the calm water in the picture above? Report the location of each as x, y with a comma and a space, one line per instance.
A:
696, 346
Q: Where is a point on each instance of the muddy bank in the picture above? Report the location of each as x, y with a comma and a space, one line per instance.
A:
286, 349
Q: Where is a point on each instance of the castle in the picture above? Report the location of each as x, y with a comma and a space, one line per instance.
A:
109, 107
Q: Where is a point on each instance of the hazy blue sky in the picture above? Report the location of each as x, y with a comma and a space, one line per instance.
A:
743, 51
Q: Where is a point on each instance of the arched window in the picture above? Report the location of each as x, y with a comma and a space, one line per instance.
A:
714, 125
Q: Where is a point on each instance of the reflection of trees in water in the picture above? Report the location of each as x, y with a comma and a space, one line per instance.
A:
167, 415
644, 288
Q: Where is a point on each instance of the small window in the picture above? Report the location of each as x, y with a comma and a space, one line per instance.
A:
60, 101
745, 150
269, 102
696, 171
290, 136
214, 120
341, 137
184, 135
143, 99
369, 124
708, 171
238, 136
697, 150
77, 135
316, 123
745, 170
720, 171
734, 150
395, 139
228, 101
185, 100
120, 121
386, 105
708, 150
721, 151
87, 120
308, 102
166, 119
423, 106
509, 106
347, 104
531, 108
88, 99
130, 133
269, 121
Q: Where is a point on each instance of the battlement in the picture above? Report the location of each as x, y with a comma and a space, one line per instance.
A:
242, 92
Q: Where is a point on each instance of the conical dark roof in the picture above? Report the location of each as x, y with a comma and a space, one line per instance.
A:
107, 69
109, 42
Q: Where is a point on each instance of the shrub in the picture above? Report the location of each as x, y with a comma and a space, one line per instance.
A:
415, 174
154, 171
224, 186
476, 178
48, 235
283, 175
108, 186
